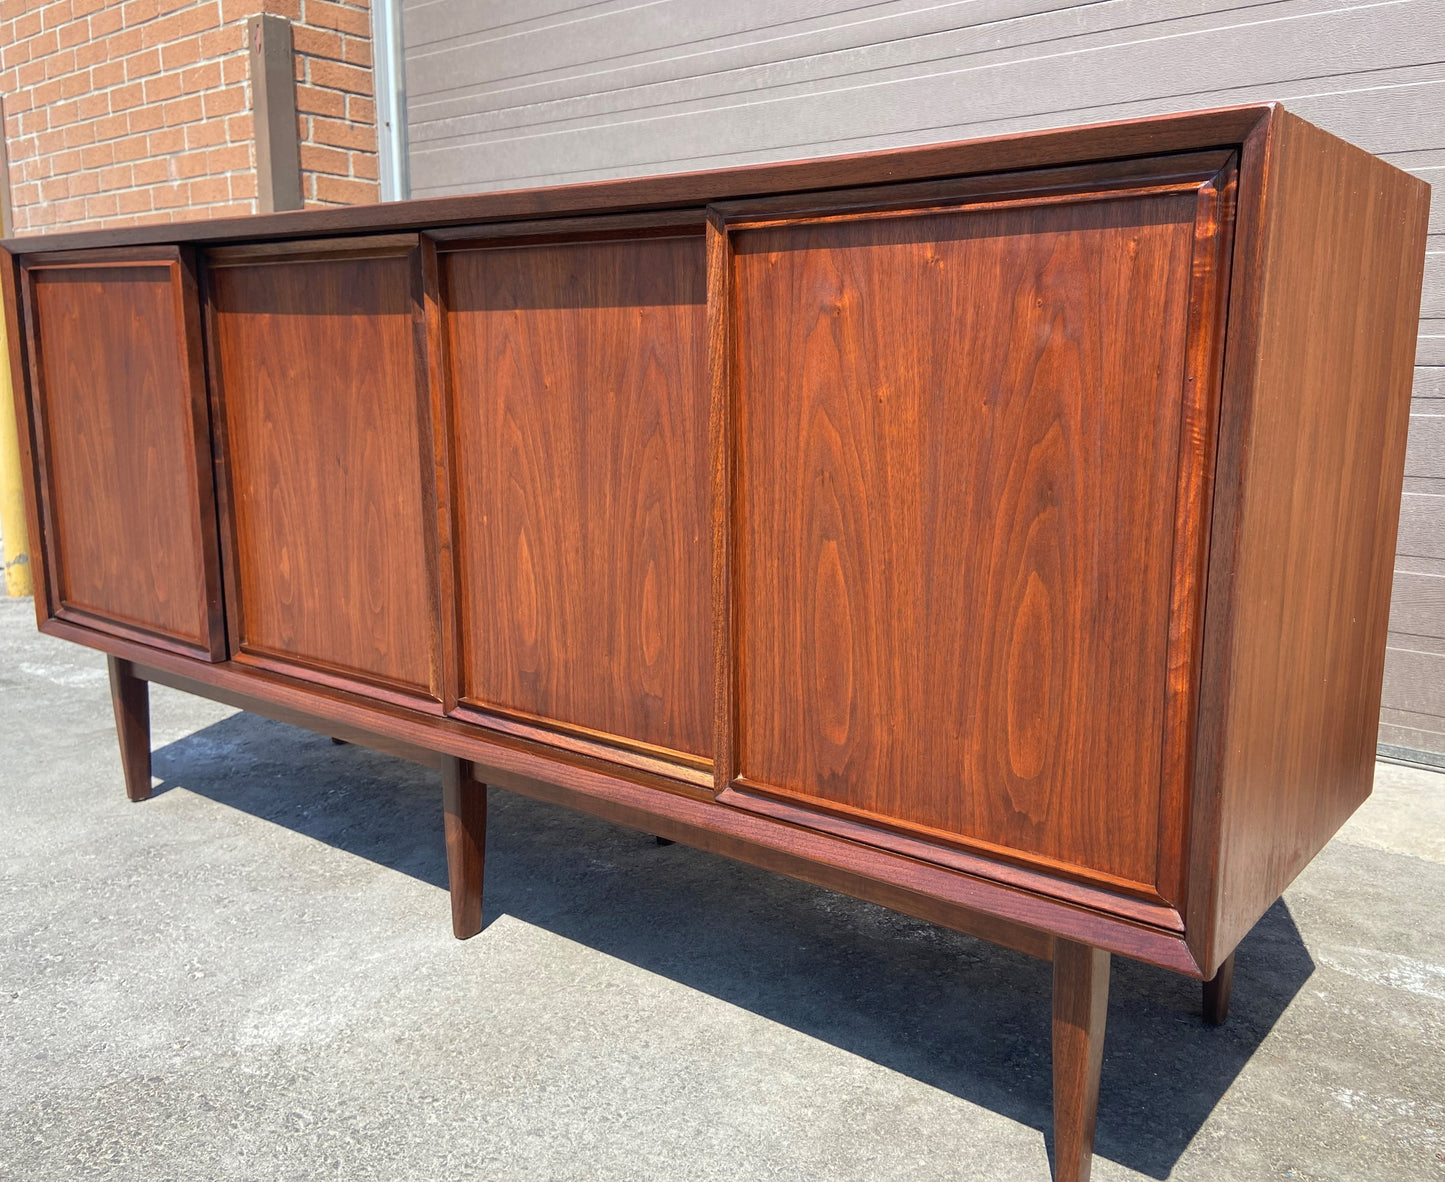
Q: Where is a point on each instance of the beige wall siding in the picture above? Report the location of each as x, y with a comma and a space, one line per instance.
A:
1414, 703
507, 93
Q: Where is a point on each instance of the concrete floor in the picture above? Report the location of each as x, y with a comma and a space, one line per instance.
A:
251, 976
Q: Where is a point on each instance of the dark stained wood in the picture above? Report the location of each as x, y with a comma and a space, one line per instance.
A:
1312, 444
665, 223
1183, 173
1081, 1008
1032, 878
999, 532
1038, 149
432, 343
1210, 273
1204, 808
464, 803
119, 420
1216, 993
722, 445
579, 402
328, 481
373, 246
131, 700
1091, 892
915, 453
1015, 918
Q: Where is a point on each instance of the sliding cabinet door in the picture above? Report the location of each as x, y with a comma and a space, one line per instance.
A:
973, 440
123, 446
583, 498
320, 375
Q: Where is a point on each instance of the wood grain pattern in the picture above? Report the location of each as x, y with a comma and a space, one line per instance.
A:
432, 338
992, 473
328, 478
898, 516
1312, 445
723, 466
1081, 1009
580, 404
130, 698
1211, 272
121, 426
955, 514
976, 905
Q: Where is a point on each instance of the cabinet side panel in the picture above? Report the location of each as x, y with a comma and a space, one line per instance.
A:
958, 441
580, 404
329, 484
1321, 470
25, 420
116, 401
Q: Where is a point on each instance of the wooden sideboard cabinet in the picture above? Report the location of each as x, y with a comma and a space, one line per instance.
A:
1000, 531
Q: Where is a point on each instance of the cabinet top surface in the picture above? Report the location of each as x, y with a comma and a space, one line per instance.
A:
1220, 127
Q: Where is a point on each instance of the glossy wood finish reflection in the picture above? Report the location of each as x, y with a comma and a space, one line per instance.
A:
955, 518
115, 351
1006, 542
131, 700
326, 458
580, 404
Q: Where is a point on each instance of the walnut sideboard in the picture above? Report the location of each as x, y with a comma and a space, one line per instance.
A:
1001, 531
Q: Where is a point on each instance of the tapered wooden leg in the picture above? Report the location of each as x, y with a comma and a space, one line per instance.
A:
131, 698
1216, 993
1081, 1005
464, 801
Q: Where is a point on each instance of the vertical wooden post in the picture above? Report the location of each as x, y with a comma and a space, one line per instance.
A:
464, 802
7, 204
273, 113
1081, 1005
131, 698
1216, 993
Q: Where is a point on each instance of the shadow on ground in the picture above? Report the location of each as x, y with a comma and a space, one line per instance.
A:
953, 1012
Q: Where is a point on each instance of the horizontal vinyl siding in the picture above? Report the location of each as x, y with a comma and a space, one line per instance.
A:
1414, 699
518, 93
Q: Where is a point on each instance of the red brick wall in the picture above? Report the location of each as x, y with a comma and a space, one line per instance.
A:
334, 99
126, 111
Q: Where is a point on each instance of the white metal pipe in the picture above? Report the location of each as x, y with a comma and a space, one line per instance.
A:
388, 55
